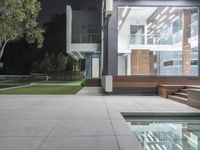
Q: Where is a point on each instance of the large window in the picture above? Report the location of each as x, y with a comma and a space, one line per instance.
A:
158, 41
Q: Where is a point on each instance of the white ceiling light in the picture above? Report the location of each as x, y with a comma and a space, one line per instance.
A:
157, 17
158, 27
172, 10
154, 26
120, 22
172, 16
151, 37
157, 31
164, 10
162, 18
175, 19
150, 32
149, 24
124, 12
164, 26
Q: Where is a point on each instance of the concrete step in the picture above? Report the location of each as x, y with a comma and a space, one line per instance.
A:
193, 87
184, 90
180, 94
177, 98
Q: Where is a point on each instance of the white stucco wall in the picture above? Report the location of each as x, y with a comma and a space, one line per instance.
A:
121, 65
124, 33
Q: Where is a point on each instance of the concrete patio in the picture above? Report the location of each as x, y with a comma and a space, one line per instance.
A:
75, 122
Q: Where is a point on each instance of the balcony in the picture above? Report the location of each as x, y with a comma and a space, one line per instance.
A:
155, 39
85, 43
78, 41
88, 38
160, 42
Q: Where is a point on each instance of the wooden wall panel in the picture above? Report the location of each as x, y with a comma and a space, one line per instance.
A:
194, 98
141, 62
152, 81
186, 47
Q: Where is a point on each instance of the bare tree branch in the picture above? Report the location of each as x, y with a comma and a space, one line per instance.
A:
3, 47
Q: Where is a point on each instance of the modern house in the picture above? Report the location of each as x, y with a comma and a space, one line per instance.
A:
84, 39
144, 44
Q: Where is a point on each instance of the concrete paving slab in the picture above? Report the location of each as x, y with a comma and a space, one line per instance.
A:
20, 143
26, 128
81, 143
128, 143
75, 122
121, 128
84, 128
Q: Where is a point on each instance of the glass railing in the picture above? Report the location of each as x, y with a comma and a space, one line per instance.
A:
90, 38
155, 39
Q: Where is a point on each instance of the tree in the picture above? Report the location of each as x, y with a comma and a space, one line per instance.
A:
61, 62
19, 57
55, 34
46, 65
55, 43
18, 18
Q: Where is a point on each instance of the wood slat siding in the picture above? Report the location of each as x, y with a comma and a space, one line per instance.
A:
92, 82
141, 62
194, 98
152, 81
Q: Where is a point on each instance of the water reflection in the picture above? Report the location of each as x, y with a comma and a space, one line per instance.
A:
166, 133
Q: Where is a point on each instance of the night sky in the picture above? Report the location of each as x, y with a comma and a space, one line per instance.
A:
51, 7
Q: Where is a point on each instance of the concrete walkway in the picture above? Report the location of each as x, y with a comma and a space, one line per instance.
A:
90, 91
75, 122
53, 84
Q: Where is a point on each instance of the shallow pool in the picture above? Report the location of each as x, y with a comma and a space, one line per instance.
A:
166, 133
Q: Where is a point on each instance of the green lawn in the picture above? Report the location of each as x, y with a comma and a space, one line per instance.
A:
2, 86
43, 90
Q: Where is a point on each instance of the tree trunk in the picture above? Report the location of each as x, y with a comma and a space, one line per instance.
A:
3, 48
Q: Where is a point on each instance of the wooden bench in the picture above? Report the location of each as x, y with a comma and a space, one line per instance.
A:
151, 83
92, 82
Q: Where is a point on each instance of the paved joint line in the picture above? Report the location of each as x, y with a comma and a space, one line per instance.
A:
112, 124
56, 125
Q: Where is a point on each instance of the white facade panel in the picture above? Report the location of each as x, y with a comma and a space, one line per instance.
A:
107, 83
69, 27
109, 7
95, 67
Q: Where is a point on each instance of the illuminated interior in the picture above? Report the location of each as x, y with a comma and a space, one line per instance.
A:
158, 41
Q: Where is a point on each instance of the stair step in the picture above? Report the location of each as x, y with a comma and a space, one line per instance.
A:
193, 87
178, 99
184, 90
180, 94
